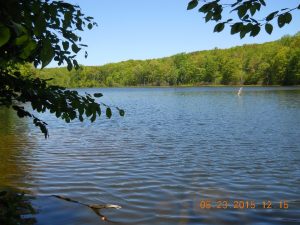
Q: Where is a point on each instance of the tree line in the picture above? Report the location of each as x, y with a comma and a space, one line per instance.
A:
272, 63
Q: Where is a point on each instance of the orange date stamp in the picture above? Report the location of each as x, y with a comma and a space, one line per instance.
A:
243, 204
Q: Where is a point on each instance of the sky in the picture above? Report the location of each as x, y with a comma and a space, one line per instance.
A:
146, 29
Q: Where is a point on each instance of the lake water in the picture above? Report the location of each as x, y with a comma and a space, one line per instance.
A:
175, 149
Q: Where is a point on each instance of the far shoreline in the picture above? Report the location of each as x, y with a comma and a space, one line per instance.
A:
184, 86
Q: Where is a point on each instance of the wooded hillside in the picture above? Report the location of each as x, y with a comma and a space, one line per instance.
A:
273, 63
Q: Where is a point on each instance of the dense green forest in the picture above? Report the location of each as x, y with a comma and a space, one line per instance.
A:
273, 63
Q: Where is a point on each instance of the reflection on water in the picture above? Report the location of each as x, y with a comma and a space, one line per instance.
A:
16, 157
15, 208
174, 148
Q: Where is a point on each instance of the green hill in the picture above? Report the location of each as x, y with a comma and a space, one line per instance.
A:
272, 63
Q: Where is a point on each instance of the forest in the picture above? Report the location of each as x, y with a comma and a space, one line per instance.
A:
272, 63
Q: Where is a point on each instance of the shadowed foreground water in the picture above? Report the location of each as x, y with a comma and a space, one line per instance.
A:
173, 149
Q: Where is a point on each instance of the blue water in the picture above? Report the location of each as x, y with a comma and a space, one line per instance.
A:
175, 148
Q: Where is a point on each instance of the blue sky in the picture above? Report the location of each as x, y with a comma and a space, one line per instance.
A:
145, 29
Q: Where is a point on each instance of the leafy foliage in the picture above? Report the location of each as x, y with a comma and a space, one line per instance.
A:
273, 63
37, 32
66, 104
246, 10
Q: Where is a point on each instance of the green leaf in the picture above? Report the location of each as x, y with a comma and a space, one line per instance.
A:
28, 49
90, 26
47, 52
75, 48
242, 34
192, 4
18, 28
108, 112
208, 16
76, 65
79, 24
40, 25
255, 31
288, 17
217, 16
4, 35
262, 2
249, 27
236, 28
65, 45
253, 10
67, 19
281, 20
69, 66
246, 17
271, 16
258, 6
269, 28
219, 27
205, 8
242, 11
98, 95
21, 40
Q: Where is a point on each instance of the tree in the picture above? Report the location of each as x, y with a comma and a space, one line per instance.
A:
292, 74
211, 69
246, 10
37, 32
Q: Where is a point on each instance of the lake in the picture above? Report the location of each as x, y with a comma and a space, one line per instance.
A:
182, 156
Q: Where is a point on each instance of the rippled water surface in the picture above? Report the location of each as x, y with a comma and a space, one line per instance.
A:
172, 150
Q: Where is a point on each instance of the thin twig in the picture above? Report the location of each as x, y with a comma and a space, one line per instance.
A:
95, 207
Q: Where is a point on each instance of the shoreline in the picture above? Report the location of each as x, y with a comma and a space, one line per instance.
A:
186, 86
